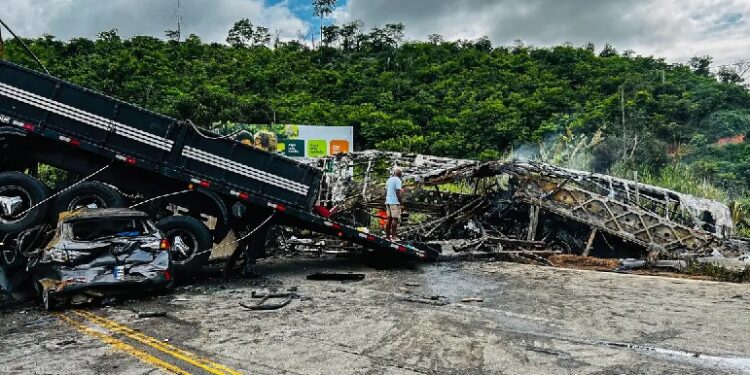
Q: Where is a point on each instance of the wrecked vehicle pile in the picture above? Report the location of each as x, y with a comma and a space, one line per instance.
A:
531, 209
182, 177
116, 155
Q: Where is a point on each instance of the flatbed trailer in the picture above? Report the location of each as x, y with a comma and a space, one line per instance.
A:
144, 154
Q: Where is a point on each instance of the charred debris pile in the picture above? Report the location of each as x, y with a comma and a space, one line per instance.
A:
527, 210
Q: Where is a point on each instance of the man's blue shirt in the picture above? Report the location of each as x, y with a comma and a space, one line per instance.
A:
391, 187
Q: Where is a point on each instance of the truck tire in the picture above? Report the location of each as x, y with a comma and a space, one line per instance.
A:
90, 194
191, 243
31, 191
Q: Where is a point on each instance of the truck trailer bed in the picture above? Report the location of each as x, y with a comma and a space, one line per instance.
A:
48, 109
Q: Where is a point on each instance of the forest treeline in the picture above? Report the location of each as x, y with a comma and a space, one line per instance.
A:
464, 98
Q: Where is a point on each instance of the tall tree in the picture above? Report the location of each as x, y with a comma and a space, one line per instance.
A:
608, 51
350, 35
261, 36
241, 33
172, 35
330, 35
435, 39
729, 75
322, 9
395, 33
701, 65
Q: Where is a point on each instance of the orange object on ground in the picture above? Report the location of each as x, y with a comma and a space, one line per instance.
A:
382, 218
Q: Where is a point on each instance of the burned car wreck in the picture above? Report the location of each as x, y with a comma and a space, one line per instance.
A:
98, 253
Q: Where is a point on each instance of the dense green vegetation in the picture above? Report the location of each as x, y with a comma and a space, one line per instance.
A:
464, 99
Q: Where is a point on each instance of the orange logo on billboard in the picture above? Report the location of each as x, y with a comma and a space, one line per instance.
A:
338, 147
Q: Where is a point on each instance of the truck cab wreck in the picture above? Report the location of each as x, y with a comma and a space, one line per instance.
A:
101, 253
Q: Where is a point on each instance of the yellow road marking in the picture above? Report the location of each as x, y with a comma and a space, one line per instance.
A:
117, 344
191, 358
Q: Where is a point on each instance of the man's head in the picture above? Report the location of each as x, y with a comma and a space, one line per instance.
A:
397, 171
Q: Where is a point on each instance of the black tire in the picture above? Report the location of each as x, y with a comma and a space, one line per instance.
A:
51, 302
89, 194
191, 251
31, 191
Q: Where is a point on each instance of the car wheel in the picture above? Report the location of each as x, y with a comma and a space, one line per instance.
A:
50, 301
562, 246
18, 193
191, 243
12, 258
91, 194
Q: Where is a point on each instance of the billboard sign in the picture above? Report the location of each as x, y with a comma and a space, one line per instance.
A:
312, 141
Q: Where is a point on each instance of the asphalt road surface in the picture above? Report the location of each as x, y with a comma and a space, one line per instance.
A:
532, 320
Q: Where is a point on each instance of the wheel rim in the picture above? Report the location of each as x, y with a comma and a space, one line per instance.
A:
10, 256
184, 245
561, 246
45, 299
87, 201
18, 210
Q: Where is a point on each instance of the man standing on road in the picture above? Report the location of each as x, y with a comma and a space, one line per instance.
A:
394, 196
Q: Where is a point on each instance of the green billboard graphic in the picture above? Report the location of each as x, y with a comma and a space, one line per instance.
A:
317, 148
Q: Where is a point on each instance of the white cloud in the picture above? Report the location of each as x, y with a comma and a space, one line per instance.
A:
85, 18
675, 29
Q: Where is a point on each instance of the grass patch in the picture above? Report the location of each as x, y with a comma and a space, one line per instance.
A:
676, 176
717, 272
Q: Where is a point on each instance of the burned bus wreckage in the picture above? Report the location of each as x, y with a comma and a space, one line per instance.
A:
530, 209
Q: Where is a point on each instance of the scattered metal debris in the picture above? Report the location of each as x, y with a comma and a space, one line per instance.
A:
334, 276
151, 314
433, 300
67, 342
263, 304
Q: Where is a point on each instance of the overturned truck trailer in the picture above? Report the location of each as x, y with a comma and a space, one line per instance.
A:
497, 205
115, 155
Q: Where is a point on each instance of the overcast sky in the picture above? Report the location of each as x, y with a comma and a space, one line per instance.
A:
674, 29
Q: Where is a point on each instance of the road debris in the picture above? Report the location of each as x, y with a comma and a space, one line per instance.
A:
432, 300
67, 342
264, 305
472, 299
150, 314
335, 276
584, 262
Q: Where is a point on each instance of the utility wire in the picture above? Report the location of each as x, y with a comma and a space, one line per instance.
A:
159, 197
25, 47
200, 132
64, 190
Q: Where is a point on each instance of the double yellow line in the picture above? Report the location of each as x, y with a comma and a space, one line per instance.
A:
182, 355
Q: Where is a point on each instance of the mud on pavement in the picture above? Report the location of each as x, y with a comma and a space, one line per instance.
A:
531, 320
